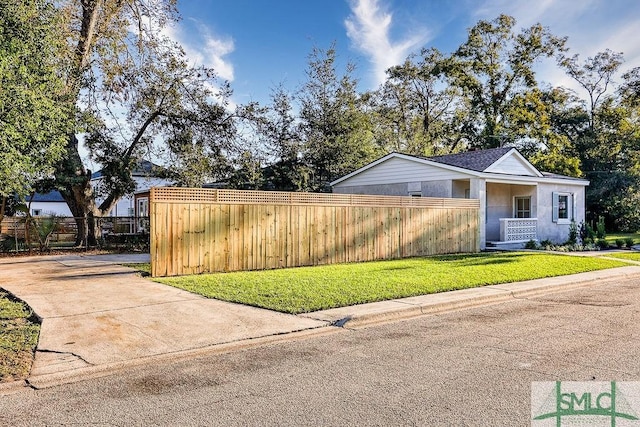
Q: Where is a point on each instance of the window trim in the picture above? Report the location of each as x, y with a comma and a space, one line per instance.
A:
571, 207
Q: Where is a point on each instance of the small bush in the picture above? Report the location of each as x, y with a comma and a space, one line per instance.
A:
531, 244
619, 243
573, 234
600, 229
587, 235
546, 243
628, 242
602, 244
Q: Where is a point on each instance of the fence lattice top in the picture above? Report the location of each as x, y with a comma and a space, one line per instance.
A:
206, 195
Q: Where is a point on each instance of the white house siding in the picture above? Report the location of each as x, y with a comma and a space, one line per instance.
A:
442, 188
125, 206
500, 199
396, 170
511, 165
50, 208
547, 229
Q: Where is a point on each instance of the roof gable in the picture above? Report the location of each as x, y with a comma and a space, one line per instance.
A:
495, 163
513, 163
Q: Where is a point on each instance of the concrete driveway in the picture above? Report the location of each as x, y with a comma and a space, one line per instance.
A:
97, 315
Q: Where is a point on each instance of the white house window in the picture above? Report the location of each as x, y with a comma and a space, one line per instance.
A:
563, 207
36, 212
522, 207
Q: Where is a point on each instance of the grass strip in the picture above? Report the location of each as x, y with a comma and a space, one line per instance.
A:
306, 289
633, 255
18, 338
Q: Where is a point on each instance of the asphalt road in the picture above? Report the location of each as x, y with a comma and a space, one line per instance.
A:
471, 367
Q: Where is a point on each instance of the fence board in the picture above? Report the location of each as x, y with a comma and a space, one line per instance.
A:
202, 230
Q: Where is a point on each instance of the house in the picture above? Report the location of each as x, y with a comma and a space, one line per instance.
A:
145, 175
45, 204
517, 202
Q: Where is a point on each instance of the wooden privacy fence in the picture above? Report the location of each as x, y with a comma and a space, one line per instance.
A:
203, 230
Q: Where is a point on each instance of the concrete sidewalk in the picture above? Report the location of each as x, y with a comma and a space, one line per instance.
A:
98, 316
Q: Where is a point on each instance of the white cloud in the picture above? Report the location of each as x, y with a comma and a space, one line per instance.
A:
204, 48
368, 28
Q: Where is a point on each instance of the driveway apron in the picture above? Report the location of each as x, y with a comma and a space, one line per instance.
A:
97, 312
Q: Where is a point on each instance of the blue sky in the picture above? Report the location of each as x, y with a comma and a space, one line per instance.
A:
257, 44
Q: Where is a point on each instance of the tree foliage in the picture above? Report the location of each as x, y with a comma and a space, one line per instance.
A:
132, 94
337, 132
493, 68
417, 111
34, 116
139, 97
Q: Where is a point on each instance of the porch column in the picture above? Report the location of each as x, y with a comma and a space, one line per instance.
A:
478, 190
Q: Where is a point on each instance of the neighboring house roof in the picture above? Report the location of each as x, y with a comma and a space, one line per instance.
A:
142, 168
52, 196
477, 161
491, 163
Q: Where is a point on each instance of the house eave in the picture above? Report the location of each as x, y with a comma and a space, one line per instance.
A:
517, 179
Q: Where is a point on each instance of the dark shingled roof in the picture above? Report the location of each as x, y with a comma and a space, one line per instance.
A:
473, 160
52, 196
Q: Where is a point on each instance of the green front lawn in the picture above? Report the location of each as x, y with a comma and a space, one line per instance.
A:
18, 339
632, 255
306, 289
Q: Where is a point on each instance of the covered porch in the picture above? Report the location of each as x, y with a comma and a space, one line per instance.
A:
508, 210
511, 214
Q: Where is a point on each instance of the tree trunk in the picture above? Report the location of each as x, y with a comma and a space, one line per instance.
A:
80, 212
3, 206
76, 190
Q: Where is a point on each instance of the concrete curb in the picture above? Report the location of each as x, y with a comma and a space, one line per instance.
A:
39, 382
97, 371
359, 316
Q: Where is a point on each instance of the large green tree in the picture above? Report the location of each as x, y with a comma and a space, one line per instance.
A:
494, 67
280, 134
605, 137
417, 111
336, 129
135, 89
34, 117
